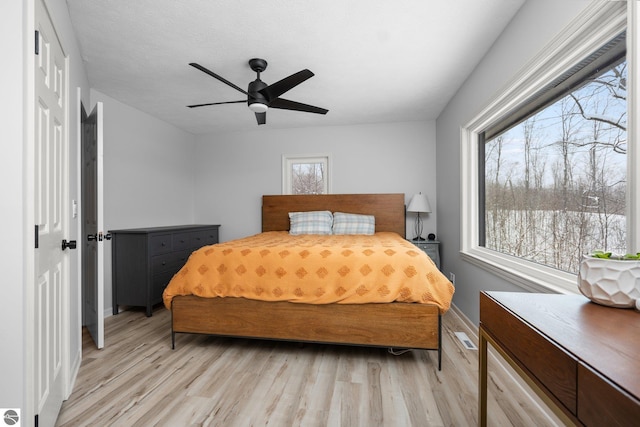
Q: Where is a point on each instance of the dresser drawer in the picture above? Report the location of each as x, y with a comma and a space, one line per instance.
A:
600, 402
431, 248
193, 240
170, 262
553, 368
181, 258
160, 244
158, 283
204, 238
182, 241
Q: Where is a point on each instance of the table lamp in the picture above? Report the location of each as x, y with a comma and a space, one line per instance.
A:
419, 204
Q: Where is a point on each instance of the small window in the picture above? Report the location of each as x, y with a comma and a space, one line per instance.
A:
305, 174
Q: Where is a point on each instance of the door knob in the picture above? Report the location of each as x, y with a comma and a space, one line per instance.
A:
102, 236
71, 244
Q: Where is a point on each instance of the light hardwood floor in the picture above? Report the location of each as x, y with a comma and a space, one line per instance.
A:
138, 380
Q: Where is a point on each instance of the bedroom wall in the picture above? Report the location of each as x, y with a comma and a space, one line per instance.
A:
234, 170
148, 174
536, 23
12, 320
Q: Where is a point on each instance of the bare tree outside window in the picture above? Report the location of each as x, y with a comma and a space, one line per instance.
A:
305, 174
307, 178
555, 183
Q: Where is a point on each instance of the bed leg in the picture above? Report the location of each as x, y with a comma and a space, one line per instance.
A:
173, 332
439, 341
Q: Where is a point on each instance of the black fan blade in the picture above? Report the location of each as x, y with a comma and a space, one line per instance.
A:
273, 91
216, 103
285, 104
214, 75
261, 118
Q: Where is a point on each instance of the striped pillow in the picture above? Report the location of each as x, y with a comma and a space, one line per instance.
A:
314, 222
345, 223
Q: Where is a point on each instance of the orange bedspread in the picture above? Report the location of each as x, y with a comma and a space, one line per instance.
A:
314, 269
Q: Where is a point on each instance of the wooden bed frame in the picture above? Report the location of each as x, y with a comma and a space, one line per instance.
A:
393, 325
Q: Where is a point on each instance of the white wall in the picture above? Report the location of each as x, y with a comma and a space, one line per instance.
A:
12, 292
536, 24
234, 170
148, 173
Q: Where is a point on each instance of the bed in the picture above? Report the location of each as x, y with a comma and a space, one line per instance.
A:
394, 325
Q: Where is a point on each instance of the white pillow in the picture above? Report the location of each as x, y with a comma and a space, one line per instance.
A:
313, 222
346, 223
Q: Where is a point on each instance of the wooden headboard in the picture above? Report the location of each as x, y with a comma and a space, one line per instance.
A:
388, 209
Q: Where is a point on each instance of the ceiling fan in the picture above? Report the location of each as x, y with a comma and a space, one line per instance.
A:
260, 96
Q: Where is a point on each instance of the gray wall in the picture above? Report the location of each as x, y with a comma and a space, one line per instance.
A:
234, 170
12, 293
536, 24
148, 174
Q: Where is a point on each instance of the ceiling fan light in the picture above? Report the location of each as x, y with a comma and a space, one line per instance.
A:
258, 107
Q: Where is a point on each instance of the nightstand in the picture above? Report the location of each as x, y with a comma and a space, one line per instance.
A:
431, 248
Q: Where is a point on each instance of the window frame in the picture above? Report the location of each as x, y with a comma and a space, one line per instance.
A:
288, 160
596, 25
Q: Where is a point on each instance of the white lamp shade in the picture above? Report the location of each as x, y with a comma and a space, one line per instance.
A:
419, 203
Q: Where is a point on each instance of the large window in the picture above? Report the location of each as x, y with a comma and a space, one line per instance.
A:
548, 166
555, 183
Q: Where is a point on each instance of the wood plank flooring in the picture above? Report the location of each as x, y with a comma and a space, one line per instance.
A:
137, 380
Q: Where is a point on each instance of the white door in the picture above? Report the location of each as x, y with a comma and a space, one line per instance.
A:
50, 213
92, 235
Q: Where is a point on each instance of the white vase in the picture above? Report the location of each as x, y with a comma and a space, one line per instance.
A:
610, 282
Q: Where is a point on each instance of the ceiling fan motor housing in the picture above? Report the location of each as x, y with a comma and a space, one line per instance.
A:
254, 95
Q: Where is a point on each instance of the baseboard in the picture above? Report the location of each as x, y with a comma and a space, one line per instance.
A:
503, 367
468, 323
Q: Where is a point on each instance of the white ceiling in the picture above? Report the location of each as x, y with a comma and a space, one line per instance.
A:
374, 61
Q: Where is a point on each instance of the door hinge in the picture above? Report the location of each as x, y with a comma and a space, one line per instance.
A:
37, 42
36, 236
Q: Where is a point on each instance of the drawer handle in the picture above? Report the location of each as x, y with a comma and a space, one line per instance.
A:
181, 241
163, 244
164, 263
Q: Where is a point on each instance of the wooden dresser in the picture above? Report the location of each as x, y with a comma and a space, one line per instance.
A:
145, 259
583, 359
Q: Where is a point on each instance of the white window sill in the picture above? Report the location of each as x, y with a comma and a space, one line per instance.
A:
525, 274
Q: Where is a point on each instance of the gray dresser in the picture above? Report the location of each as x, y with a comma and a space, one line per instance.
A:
145, 259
